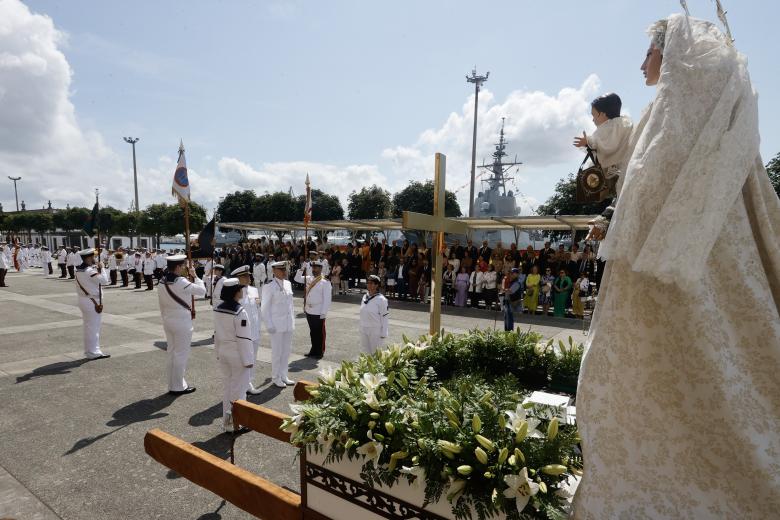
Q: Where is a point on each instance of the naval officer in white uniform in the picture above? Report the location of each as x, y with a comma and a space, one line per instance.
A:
175, 297
233, 346
317, 295
373, 317
89, 281
279, 317
250, 301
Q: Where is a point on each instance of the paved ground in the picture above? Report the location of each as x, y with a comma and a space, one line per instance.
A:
72, 431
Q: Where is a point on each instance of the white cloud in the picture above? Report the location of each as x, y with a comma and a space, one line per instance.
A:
40, 138
42, 141
539, 128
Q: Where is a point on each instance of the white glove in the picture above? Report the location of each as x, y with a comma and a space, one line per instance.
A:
322, 317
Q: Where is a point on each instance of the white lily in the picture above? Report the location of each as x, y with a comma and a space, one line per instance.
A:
325, 441
520, 416
343, 382
371, 450
372, 381
295, 421
328, 375
520, 488
418, 472
371, 400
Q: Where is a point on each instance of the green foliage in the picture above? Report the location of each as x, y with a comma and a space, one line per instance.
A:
323, 206
237, 206
448, 406
276, 207
418, 197
369, 203
564, 201
773, 170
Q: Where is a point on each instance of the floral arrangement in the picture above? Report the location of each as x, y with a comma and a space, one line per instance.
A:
448, 417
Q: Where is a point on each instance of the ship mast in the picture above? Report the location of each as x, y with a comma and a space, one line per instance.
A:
499, 169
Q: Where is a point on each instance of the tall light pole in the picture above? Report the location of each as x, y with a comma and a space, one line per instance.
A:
477, 81
16, 194
132, 141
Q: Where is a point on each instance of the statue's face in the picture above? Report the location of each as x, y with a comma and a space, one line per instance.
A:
651, 67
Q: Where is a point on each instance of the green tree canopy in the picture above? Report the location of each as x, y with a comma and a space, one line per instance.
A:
276, 207
174, 219
773, 170
40, 222
369, 203
237, 206
324, 206
418, 197
564, 201
153, 220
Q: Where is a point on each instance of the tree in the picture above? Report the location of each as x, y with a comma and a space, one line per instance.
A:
418, 197
153, 220
276, 207
369, 203
324, 207
773, 170
564, 201
174, 219
40, 222
237, 206
70, 220
110, 222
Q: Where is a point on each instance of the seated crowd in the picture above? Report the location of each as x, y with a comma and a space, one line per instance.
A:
473, 276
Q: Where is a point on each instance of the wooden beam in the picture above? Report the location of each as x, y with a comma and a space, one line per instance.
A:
299, 391
423, 222
253, 494
260, 419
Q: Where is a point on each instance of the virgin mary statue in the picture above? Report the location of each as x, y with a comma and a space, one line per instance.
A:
679, 394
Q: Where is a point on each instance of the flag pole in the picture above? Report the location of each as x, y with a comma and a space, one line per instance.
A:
97, 243
189, 250
306, 217
211, 272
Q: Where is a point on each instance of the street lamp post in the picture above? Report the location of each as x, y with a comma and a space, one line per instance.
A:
132, 141
16, 194
477, 81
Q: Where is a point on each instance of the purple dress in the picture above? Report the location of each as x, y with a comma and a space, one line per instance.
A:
461, 289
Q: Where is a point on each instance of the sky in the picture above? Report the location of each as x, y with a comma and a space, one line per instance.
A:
354, 93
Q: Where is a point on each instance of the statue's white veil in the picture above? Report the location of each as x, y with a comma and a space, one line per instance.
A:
695, 152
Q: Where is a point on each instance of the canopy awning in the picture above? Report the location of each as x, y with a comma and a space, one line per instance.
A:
541, 222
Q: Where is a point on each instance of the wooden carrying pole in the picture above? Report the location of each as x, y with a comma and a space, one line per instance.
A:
255, 495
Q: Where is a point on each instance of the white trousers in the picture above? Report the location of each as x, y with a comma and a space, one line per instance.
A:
256, 347
91, 325
370, 341
281, 347
235, 379
178, 335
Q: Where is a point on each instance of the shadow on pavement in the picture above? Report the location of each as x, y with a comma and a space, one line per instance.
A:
266, 395
300, 365
163, 345
213, 516
139, 411
54, 369
207, 416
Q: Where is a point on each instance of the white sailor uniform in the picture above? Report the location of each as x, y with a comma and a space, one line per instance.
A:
235, 353
217, 290
373, 322
250, 301
260, 274
279, 318
89, 284
318, 298
175, 298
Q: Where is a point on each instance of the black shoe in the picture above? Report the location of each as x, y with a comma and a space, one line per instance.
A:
187, 390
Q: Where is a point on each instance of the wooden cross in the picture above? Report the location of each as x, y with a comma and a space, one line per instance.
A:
439, 224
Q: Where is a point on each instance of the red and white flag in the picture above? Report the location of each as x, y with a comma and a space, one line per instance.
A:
307, 209
181, 184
